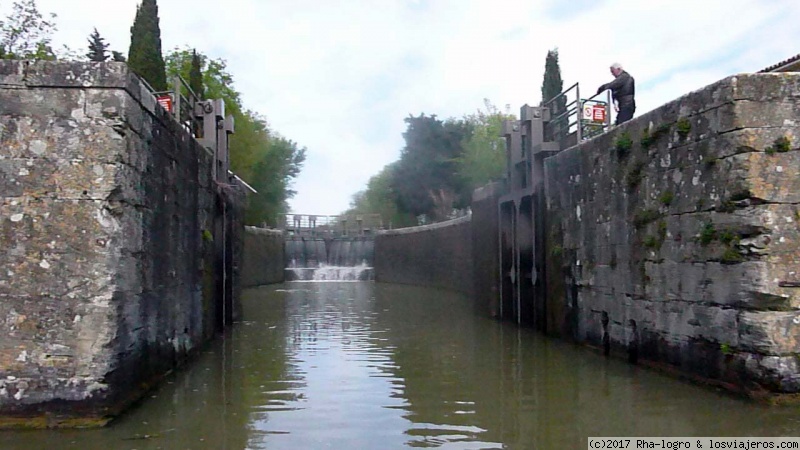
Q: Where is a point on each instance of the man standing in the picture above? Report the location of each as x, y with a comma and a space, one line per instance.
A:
622, 91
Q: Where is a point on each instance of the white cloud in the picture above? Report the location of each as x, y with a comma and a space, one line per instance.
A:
339, 77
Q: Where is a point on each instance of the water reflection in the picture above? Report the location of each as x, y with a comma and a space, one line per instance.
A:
365, 365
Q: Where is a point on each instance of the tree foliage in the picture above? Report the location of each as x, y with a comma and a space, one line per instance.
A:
144, 55
217, 81
276, 167
484, 157
97, 47
552, 85
26, 33
426, 180
380, 198
261, 157
196, 76
439, 167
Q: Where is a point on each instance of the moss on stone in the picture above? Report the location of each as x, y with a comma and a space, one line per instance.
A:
646, 140
707, 234
728, 237
634, 176
781, 145
643, 217
650, 241
731, 256
684, 127
666, 197
623, 144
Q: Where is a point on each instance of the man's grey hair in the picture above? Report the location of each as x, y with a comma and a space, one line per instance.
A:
616, 65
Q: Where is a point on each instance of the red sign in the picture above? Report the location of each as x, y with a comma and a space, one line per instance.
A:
598, 113
165, 101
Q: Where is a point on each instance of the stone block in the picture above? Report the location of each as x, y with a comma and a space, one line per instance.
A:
77, 75
766, 87
780, 373
773, 178
43, 103
12, 74
683, 321
770, 332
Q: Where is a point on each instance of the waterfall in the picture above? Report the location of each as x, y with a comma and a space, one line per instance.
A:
337, 259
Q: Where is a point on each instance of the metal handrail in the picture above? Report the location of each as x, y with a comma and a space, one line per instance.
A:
571, 118
562, 94
556, 126
327, 225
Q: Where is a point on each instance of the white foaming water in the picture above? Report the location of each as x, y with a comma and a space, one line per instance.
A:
324, 272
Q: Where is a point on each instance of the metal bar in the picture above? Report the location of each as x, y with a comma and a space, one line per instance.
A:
562, 94
580, 113
176, 83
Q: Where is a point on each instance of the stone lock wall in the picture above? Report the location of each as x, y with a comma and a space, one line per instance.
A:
109, 274
263, 257
486, 248
674, 238
438, 255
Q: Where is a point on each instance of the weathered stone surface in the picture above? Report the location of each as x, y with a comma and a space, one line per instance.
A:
770, 332
691, 234
263, 257
438, 255
106, 282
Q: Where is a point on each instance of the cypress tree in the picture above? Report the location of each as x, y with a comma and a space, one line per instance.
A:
196, 75
552, 84
144, 56
97, 48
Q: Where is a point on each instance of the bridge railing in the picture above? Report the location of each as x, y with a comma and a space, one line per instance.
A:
570, 114
331, 226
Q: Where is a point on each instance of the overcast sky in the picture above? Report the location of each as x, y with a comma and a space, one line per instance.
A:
339, 76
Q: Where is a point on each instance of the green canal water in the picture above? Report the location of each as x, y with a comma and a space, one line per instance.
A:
363, 365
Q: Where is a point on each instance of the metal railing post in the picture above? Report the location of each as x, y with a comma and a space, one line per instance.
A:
580, 112
176, 101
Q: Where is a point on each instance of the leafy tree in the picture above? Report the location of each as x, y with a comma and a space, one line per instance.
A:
26, 34
380, 198
261, 157
484, 157
196, 75
144, 55
217, 81
97, 48
425, 180
275, 170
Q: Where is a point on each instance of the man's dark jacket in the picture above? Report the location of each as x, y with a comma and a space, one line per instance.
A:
622, 89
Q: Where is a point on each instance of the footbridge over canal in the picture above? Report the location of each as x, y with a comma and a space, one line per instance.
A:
324, 247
